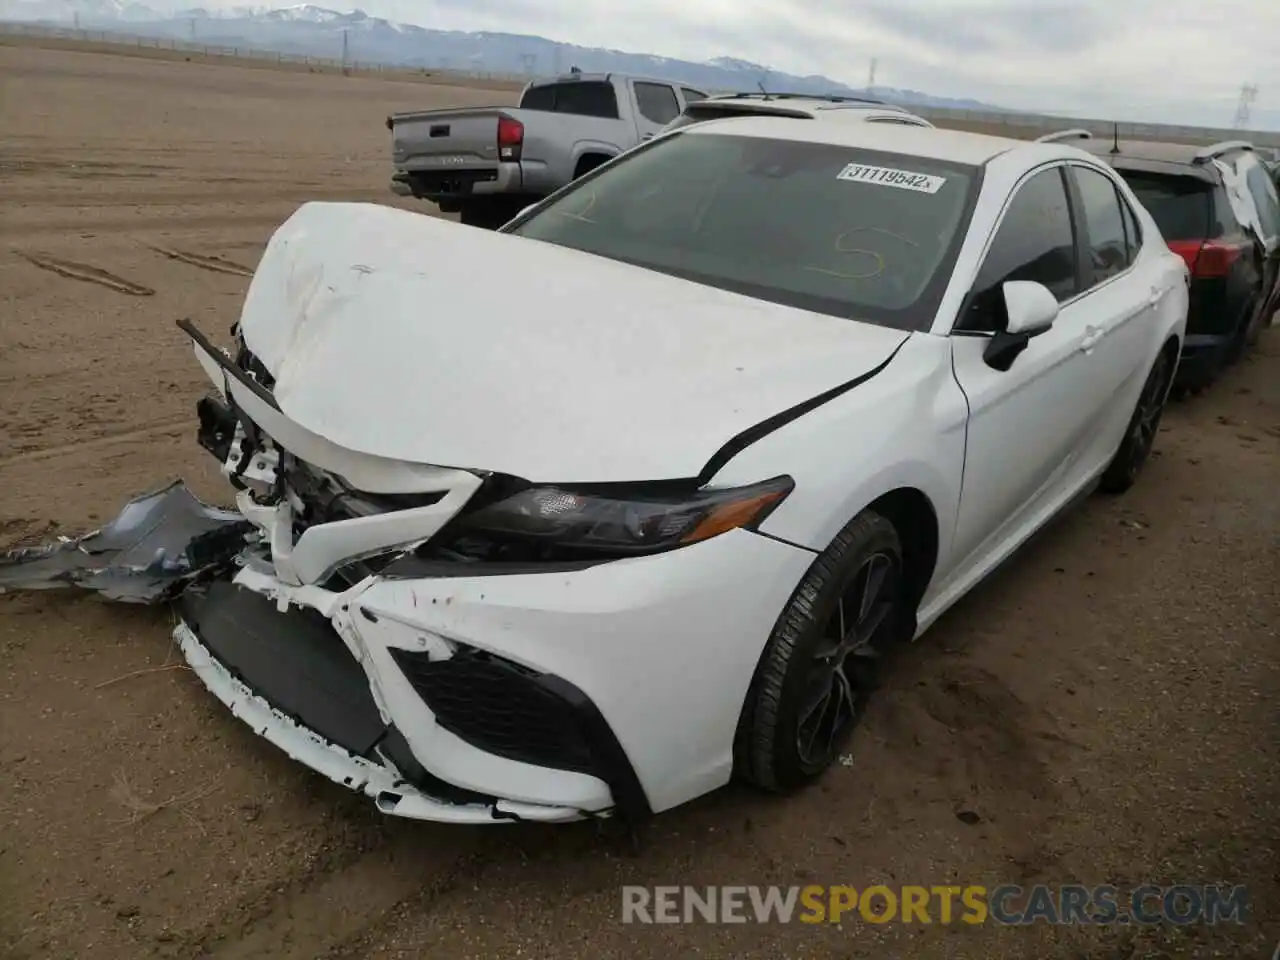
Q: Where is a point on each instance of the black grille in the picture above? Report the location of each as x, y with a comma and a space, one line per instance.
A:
501, 708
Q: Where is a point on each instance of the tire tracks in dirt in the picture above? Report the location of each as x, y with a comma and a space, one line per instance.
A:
350, 895
210, 262
263, 907
77, 225
383, 885
87, 273
169, 425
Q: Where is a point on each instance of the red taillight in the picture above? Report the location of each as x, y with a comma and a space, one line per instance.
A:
1207, 258
510, 138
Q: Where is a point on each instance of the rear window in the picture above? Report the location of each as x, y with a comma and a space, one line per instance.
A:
851, 233
1180, 206
585, 98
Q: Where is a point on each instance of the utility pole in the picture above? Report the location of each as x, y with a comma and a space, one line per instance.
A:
1248, 94
193, 28
529, 60
871, 77
345, 71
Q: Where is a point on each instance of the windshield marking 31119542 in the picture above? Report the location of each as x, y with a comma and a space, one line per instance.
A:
889, 177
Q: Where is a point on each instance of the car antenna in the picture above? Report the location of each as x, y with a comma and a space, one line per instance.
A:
1115, 138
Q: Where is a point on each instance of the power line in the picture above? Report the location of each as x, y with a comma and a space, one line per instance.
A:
1248, 94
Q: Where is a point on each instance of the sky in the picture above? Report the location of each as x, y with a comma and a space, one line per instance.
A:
1165, 61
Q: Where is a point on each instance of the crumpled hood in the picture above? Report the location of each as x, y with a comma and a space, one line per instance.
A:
405, 336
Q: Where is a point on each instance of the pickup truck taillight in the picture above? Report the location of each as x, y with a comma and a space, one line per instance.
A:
510, 138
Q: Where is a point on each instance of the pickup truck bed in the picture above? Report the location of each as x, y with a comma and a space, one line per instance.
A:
487, 163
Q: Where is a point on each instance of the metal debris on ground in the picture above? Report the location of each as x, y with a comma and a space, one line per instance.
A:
158, 544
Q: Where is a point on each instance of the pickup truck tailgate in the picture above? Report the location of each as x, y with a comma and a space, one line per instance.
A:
443, 139
451, 152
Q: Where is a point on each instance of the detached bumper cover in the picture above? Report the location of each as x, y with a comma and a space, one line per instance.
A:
157, 545
290, 678
611, 690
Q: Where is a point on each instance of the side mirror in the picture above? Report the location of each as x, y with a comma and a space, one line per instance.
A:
1031, 307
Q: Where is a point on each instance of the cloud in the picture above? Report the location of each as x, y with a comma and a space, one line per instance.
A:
1161, 60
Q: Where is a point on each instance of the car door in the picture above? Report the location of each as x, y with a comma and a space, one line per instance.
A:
1028, 424
656, 106
1121, 296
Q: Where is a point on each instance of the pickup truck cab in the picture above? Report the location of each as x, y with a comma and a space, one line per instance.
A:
487, 163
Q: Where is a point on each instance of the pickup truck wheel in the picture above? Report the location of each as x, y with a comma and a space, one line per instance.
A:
492, 213
486, 217
588, 163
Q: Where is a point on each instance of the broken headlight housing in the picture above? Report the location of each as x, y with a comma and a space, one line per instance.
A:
622, 522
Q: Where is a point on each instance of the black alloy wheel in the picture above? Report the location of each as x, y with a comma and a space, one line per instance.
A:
843, 665
1140, 439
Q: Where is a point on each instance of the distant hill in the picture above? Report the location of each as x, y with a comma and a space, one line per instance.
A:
317, 31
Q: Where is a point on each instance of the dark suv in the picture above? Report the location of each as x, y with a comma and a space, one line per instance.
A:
1218, 208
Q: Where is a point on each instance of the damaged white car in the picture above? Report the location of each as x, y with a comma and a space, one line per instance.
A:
582, 517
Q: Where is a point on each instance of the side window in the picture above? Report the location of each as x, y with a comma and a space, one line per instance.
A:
1034, 241
539, 98
586, 98
690, 95
656, 102
1103, 224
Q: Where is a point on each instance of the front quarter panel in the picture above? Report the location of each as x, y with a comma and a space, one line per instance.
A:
903, 428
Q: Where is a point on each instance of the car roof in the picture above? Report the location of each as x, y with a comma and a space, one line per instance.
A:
1155, 156
606, 78
933, 143
815, 99
812, 104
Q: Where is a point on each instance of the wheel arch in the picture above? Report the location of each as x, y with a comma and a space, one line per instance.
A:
590, 158
913, 515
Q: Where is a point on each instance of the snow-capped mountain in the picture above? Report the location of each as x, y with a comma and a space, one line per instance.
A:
86, 11
323, 32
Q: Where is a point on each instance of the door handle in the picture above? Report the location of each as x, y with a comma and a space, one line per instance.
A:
1090, 339
1157, 294
647, 136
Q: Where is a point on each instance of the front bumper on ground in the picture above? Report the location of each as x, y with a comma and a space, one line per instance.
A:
549, 696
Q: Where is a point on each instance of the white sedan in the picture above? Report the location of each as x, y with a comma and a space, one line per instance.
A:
585, 517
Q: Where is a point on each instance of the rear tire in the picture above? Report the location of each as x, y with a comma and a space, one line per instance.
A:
819, 665
1140, 437
485, 217
1244, 335
491, 213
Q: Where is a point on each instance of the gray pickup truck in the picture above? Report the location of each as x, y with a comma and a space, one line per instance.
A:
487, 163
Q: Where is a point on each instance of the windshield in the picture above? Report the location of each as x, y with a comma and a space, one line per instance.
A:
836, 230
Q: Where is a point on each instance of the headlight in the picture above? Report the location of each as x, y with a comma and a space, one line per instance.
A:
624, 523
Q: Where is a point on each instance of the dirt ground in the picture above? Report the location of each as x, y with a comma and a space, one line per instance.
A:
1104, 710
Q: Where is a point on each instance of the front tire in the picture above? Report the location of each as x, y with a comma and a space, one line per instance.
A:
1140, 437
819, 666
